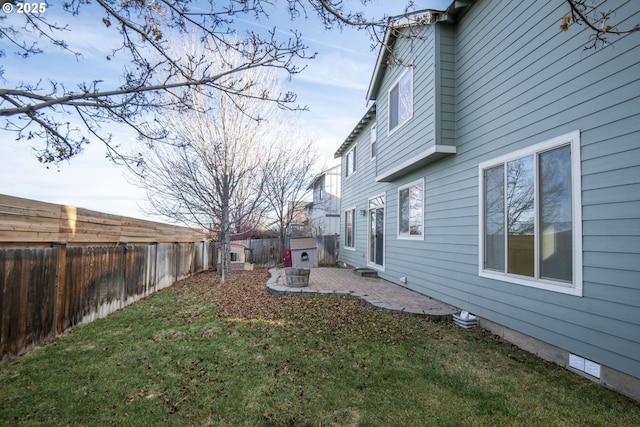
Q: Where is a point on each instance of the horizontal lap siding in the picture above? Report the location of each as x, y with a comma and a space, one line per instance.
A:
449, 248
418, 133
528, 85
445, 91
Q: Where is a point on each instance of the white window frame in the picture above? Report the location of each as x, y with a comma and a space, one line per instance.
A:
404, 236
393, 86
353, 228
374, 140
354, 169
576, 286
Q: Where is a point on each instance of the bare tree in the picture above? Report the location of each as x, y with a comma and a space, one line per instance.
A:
287, 182
213, 171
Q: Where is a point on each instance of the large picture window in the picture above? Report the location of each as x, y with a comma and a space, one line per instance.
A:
530, 216
411, 210
349, 228
401, 101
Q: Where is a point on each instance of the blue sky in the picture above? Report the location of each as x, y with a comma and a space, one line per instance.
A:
333, 87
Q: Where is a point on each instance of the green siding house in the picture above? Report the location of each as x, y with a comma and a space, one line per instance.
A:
498, 170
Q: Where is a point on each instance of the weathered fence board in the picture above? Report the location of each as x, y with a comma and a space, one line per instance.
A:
327, 250
27, 298
165, 265
140, 269
94, 283
185, 260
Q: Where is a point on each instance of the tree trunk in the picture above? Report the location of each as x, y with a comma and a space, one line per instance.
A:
282, 237
225, 245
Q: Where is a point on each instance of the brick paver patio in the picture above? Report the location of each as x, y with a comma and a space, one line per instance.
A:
375, 291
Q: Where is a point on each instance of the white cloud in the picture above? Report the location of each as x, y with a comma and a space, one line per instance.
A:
338, 70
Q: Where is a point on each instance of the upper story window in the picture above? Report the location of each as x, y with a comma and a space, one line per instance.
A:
401, 101
350, 162
530, 216
411, 210
374, 139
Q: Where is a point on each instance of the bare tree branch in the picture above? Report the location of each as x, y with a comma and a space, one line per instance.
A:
598, 20
147, 30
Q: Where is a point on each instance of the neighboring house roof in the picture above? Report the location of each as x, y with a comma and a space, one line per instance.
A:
320, 175
371, 112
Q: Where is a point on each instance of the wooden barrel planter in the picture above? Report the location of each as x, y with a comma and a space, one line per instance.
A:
297, 277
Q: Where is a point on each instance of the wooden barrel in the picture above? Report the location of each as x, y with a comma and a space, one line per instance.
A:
297, 277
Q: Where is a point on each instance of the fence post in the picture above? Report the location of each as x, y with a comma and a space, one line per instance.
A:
61, 277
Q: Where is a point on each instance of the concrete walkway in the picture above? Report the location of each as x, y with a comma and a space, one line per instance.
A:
375, 291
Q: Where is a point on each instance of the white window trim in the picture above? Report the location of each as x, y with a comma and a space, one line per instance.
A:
353, 229
396, 83
355, 164
575, 288
411, 184
384, 233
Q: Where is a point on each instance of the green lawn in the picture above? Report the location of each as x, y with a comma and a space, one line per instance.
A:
233, 355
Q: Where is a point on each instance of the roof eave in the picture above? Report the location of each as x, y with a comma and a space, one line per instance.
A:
364, 121
376, 77
428, 16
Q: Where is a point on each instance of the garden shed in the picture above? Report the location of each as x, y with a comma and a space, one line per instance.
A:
304, 252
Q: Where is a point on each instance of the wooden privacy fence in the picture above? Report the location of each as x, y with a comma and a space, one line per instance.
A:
268, 252
47, 287
29, 223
